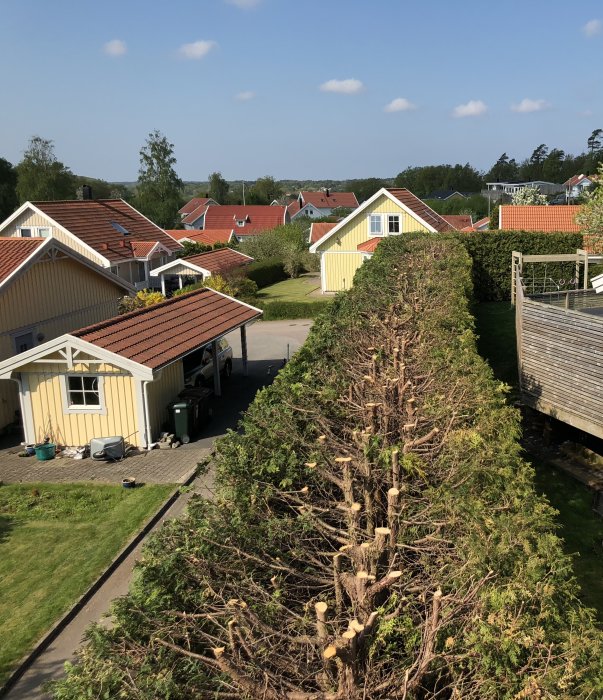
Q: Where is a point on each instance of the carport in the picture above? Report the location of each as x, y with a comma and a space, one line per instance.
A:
199, 267
117, 377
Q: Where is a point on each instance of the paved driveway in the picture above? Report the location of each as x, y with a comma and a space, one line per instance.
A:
269, 343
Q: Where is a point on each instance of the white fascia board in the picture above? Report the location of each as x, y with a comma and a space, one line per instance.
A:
174, 263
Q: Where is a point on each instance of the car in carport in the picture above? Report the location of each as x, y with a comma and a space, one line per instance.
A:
199, 365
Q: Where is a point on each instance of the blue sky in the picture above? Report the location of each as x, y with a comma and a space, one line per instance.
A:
298, 89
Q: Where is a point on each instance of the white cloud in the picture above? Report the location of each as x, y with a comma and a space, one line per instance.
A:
592, 27
473, 108
350, 86
244, 4
527, 105
115, 47
400, 104
586, 113
245, 96
197, 49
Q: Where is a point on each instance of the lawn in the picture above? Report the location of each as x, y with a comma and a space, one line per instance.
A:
54, 542
300, 289
580, 528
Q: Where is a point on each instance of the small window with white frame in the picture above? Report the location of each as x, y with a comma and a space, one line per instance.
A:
375, 225
83, 392
35, 231
393, 224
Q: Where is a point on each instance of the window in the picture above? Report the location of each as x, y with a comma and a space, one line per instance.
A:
25, 232
375, 225
38, 231
83, 392
120, 229
393, 223
240, 222
24, 341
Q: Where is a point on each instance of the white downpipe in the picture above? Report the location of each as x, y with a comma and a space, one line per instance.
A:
147, 422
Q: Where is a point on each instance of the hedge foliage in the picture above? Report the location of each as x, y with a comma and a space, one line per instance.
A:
491, 252
279, 310
266, 272
234, 583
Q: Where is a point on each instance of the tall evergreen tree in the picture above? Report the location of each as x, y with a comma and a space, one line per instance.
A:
158, 189
8, 189
40, 176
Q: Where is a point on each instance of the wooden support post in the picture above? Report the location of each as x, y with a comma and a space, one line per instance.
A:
163, 285
180, 281
244, 348
217, 383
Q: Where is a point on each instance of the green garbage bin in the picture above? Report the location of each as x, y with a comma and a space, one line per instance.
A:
182, 414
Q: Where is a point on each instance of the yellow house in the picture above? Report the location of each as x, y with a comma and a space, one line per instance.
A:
115, 378
389, 212
47, 289
110, 232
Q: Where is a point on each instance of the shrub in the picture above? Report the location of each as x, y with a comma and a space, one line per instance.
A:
491, 252
266, 272
145, 297
278, 310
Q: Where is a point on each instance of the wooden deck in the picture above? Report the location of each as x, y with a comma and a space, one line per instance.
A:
560, 355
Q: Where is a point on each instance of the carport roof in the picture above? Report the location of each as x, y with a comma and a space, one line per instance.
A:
159, 335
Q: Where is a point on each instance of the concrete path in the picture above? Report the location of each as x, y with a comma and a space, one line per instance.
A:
267, 343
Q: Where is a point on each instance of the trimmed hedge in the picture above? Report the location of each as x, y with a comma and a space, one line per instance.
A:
266, 272
491, 255
278, 310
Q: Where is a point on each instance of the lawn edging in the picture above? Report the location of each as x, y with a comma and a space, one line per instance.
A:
68, 616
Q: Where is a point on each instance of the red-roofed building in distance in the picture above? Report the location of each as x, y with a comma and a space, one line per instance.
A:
532, 217
210, 237
458, 221
577, 185
315, 205
110, 232
245, 220
194, 209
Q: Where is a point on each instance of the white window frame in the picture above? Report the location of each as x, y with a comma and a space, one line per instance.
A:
370, 220
384, 224
393, 233
35, 231
69, 409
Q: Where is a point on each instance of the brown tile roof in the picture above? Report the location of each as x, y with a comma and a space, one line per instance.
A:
421, 209
335, 199
193, 204
161, 334
559, 217
92, 221
370, 245
257, 217
457, 221
319, 229
216, 235
14, 252
219, 260
195, 214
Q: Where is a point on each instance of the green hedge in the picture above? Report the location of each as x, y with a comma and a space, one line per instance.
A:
491, 255
278, 310
266, 272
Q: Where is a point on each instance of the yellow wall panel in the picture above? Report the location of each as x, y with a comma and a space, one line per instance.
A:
339, 270
161, 392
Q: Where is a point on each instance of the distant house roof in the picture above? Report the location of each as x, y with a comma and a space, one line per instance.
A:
161, 334
479, 225
211, 237
421, 209
370, 245
211, 263
445, 194
330, 199
457, 221
17, 253
293, 207
318, 230
195, 202
539, 218
256, 218
108, 226
195, 214
577, 179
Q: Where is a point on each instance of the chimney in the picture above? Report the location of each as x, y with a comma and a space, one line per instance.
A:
86, 192
327, 191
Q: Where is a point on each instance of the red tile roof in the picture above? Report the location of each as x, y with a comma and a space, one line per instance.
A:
141, 249
14, 252
576, 179
457, 221
421, 209
94, 222
215, 235
293, 207
193, 204
318, 230
370, 245
539, 218
257, 218
320, 200
195, 214
161, 334
220, 260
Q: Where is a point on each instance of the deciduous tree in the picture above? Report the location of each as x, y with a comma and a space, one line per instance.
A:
218, 188
40, 176
264, 191
158, 191
590, 218
8, 189
528, 195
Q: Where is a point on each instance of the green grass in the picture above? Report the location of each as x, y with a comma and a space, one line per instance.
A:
580, 528
55, 539
299, 289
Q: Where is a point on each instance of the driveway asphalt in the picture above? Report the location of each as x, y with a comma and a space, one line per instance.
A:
269, 343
